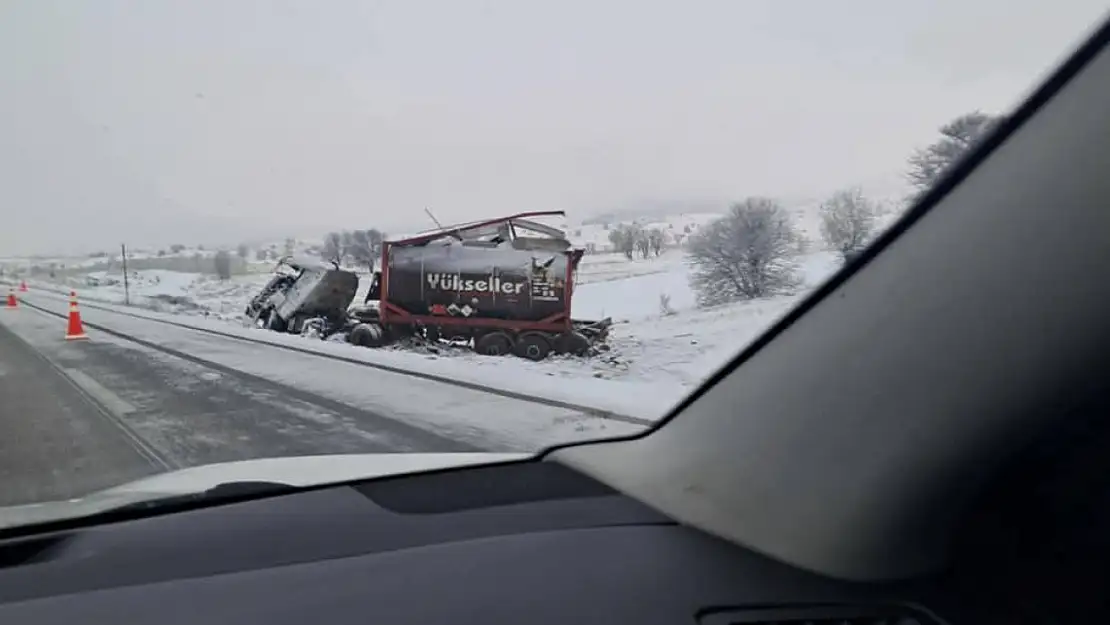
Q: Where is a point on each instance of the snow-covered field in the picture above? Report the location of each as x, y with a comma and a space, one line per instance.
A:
175, 291
656, 356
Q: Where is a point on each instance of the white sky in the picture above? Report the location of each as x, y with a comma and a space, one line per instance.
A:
212, 121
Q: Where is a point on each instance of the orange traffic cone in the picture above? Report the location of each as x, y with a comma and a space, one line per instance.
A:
75, 329
12, 301
23, 286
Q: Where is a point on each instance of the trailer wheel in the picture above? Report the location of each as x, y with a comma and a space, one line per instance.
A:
574, 343
493, 344
367, 335
533, 346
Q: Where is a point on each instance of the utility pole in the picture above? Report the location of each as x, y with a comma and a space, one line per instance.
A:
126, 287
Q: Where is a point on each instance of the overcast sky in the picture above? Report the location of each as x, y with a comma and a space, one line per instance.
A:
209, 121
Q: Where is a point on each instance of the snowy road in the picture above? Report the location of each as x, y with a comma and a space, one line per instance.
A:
56, 442
79, 416
206, 398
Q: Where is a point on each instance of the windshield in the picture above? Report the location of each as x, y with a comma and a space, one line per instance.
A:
505, 225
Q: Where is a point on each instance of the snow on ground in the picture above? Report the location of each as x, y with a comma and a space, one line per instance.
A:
669, 354
607, 267
166, 291
637, 297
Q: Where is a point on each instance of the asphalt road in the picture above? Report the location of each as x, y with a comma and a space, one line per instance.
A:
487, 421
83, 415
55, 443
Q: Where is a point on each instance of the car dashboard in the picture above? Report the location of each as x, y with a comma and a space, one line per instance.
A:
530, 542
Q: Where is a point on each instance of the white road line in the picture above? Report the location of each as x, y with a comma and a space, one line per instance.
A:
109, 400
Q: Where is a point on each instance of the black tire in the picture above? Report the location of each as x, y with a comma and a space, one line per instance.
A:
494, 344
533, 346
275, 323
573, 343
367, 335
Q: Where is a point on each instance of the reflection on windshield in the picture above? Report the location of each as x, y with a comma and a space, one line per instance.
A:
359, 234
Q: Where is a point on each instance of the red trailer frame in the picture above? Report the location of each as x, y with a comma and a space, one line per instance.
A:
391, 314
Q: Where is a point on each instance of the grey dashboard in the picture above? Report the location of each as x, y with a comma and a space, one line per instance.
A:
531, 542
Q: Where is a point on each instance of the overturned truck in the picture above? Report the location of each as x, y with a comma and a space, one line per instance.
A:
502, 285
303, 297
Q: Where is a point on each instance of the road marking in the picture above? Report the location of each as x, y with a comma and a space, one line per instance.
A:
86, 386
109, 400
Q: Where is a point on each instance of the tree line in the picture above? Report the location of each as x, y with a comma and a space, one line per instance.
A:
361, 247
632, 239
751, 251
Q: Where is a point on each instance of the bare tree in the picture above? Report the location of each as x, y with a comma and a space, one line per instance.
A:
333, 247
847, 221
630, 239
222, 263
656, 240
290, 246
347, 244
623, 239
957, 137
643, 241
748, 253
375, 237
242, 250
366, 246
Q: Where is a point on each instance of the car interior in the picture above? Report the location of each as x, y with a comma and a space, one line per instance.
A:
923, 440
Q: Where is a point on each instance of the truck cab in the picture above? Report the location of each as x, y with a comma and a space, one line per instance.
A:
300, 291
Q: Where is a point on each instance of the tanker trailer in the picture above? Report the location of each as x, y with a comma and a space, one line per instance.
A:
489, 282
